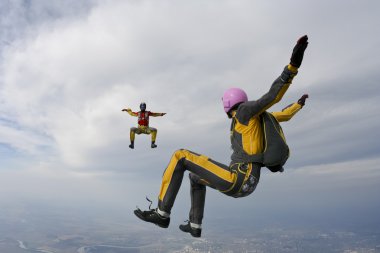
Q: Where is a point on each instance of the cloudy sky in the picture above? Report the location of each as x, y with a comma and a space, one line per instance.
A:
67, 68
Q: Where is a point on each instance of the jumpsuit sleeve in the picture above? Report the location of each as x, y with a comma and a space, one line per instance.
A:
287, 113
132, 113
251, 109
155, 114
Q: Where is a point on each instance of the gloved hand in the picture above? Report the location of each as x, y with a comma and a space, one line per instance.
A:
298, 50
302, 100
276, 168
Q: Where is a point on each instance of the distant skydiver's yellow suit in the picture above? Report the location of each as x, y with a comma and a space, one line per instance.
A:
143, 124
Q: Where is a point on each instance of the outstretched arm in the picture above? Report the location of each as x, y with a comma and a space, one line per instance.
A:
129, 111
288, 112
254, 108
157, 114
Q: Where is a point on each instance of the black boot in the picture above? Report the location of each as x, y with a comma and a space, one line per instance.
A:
132, 145
195, 232
153, 145
153, 217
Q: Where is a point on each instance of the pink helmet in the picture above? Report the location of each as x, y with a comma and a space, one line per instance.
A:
233, 96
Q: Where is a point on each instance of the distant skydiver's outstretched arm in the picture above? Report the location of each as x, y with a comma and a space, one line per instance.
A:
288, 112
129, 111
157, 114
250, 109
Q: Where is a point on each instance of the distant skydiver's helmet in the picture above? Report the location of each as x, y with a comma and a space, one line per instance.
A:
233, 97
143, 106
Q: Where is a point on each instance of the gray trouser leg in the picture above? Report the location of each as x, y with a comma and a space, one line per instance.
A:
198, 196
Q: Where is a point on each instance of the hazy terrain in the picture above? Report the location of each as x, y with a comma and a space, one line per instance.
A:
43, 229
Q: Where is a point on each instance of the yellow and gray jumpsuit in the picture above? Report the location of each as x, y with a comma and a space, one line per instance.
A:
239, 178
143, 124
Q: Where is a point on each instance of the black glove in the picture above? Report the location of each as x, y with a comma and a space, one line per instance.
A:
302, 100
276, 168
298, 50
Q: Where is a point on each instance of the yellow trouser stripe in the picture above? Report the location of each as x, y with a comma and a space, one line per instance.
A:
169, 173
201, 161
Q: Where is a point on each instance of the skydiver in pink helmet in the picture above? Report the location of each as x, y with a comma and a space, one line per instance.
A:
257, 141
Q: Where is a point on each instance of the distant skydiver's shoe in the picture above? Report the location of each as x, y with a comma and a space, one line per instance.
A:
153, 217
132, 146
153, 145
195, 232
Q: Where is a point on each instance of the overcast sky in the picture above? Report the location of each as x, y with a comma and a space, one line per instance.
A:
67, 68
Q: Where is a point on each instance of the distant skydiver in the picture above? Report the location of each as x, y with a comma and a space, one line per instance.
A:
257, 140
143, 124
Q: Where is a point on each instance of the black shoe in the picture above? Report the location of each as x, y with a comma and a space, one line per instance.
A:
195, 232
153, 217
153, 145
132, 146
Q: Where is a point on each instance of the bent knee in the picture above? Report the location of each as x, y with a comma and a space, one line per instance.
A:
193, 177
179, 154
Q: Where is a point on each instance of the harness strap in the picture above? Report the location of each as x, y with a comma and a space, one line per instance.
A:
241, 173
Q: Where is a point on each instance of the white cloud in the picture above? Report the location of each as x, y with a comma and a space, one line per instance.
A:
66, 84
368, 169
25, 141
69, 81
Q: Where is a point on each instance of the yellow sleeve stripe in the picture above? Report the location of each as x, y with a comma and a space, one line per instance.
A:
287, 113
132, 113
